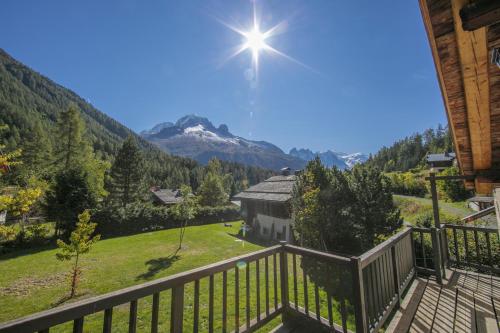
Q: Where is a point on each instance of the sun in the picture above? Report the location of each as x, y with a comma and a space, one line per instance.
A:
255, 42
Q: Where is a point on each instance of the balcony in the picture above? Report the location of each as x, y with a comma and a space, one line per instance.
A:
419, 280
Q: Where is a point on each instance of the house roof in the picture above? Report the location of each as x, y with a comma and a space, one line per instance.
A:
168, 196
276, 188
445, 157
481, 199
463, 36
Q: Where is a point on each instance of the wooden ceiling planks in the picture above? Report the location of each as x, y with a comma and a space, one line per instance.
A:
473, 52
470, 85
438, 20
494, 73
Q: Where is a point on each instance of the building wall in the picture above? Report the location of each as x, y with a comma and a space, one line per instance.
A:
278, 226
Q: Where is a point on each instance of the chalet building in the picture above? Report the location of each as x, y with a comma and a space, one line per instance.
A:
479, 203
441, 161
266, 207
166, 197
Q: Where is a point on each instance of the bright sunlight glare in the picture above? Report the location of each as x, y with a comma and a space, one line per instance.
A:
255, 41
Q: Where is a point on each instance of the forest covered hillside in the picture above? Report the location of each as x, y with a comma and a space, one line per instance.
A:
30, 104
410, 152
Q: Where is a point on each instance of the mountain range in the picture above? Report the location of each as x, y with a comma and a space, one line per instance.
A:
196, 137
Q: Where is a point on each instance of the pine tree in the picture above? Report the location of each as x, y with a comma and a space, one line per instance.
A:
37, 151
127, 173
80, 242
373, 208
214, 189
71, 149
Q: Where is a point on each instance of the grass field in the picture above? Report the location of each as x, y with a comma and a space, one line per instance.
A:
414, 207
32, 281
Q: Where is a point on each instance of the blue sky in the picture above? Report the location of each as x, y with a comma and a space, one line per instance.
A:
369, 80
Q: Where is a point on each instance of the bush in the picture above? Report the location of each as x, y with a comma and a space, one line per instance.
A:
131, 219
141, 217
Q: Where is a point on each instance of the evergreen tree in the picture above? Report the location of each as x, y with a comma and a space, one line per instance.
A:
37, 152
127, 173
374, 212
71, 194
321, 204
71, 149
213, 189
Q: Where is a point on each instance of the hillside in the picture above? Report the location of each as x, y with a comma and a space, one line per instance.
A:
410, 152
29, 100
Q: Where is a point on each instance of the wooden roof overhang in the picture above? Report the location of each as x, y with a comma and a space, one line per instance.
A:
462, 36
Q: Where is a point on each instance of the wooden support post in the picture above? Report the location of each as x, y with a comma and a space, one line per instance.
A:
395, 274
436, 250
284, 276
436, 237
435, 203
177, 309
359, 296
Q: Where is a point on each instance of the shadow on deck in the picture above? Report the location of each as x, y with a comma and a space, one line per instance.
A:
466, 302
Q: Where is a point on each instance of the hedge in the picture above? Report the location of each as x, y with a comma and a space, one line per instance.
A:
136, 218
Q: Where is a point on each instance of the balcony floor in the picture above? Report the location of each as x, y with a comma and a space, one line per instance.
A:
466, 302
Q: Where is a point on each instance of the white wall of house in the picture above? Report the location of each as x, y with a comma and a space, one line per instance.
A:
281, 225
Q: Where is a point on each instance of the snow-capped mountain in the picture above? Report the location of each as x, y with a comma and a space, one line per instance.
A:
196, 137
330, 158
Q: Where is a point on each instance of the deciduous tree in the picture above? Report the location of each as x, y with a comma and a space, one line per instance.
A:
80, 243
184, 211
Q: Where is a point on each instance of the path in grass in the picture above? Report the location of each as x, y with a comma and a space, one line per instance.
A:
453, 210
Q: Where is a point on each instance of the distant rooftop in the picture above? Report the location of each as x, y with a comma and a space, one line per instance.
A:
444, 157
168, 196
276, 188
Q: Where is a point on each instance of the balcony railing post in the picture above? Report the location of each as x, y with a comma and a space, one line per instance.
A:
436, 249
177, 309
284, 276
395, 274
359, 296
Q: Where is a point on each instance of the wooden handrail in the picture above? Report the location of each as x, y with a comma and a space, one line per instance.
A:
62, 314
317, 254
470, 227
377, 251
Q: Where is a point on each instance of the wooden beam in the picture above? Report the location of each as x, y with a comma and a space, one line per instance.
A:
438, 22
473, 52
480, 14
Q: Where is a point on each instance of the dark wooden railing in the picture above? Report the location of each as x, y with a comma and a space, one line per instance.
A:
472, 246
386, 272
335, 293
76, 312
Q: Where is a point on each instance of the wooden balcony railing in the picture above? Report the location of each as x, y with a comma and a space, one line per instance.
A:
333, 293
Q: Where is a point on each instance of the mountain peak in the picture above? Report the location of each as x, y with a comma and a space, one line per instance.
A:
192, 120
330, 158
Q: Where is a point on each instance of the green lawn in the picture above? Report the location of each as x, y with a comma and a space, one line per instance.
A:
32, 281
413, 207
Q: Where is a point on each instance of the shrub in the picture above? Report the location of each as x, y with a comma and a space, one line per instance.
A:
142, 217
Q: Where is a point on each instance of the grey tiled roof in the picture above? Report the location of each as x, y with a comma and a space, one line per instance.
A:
441, 157
168, 196
276, 188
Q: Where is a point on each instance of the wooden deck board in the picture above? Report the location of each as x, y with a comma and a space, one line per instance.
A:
466, 302
464, 316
